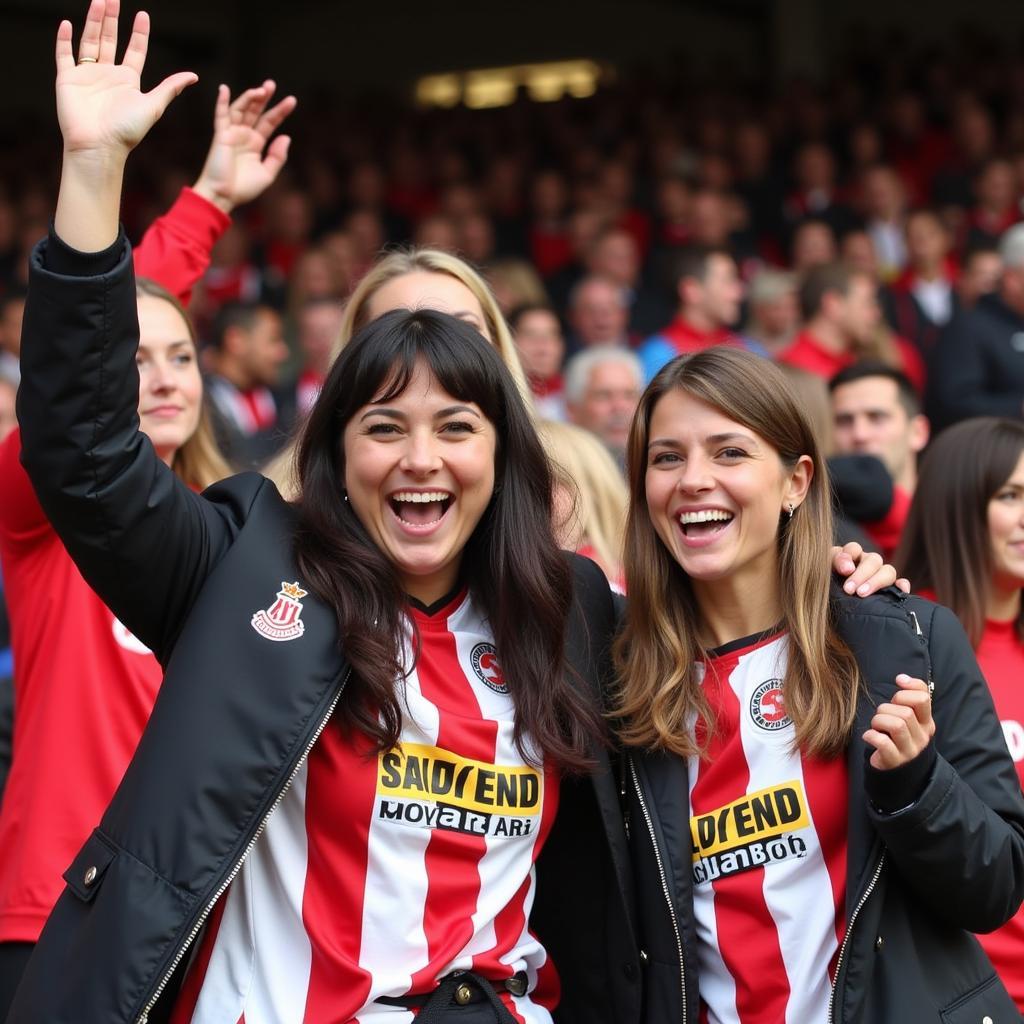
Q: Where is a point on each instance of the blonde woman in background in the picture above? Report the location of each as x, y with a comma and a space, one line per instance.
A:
591, 497
417, 279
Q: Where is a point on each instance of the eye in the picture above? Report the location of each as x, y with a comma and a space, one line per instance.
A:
458, 427
182, 359
1008, 495
382, 428
732, 453
665, 458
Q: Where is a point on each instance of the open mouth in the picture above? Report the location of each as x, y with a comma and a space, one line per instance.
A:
420, 508
705, 523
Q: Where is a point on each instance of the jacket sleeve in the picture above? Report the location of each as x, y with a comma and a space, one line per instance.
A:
175, 250
140, 537
960, 846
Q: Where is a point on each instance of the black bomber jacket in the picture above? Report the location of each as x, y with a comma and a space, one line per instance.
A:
919, 880
237, 713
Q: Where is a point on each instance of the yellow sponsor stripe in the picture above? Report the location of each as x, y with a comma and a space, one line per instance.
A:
418, 772
760, 815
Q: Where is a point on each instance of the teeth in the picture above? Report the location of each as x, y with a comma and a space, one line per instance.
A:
420, 497
710, 515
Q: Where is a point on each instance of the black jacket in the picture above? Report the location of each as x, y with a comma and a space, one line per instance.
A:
918, 880
977, 368
237, 714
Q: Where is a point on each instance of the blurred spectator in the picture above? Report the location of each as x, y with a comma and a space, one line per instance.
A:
8, 399
980, 274
817, 193
515, 283
709, 291
319, 327
550, 248
475, 235
923, 299
591, 497
857, 251
842, 318
876, 411
12, 309
231, 277
289, 214
602, 388
973, 137
538, 336
774, 313
584, 225
366, 230
814, 244
978, 366
598, 315
436, 232
997, 206
314, 277
885, 207
244, 363
615, 255
616, 186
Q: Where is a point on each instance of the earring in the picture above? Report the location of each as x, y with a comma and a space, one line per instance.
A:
344, 495
791, 509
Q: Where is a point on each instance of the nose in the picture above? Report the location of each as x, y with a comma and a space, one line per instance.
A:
695, 475
420, 455
160, 377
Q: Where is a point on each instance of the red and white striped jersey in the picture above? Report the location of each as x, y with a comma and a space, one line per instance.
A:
380, 873
769, 830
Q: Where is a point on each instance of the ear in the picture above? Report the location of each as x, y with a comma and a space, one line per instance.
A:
920, 432
798, 484
233, 342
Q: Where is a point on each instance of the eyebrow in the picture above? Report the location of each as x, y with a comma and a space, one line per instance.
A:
668, 442
181, 342
397, 414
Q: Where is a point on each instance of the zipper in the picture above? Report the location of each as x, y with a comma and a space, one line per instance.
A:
849, 930
920, 635
664, 883
222, 888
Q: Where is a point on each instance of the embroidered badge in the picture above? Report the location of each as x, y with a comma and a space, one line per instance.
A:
767, 707
281, 620
484, 658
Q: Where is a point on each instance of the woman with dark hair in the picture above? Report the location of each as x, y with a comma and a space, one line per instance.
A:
845, 833
964, 547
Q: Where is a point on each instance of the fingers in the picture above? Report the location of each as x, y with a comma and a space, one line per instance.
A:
870, 575
276, 156
904, 584
274, 117
171, 86
64, 53
886, 755
903, 727
138, 44
241, 108
222, 109
255, 107
916, 695
89, 46
108, 32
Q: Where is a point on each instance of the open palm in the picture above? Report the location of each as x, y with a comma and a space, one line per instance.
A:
101, 107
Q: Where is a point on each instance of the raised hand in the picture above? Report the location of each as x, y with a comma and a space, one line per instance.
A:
866, 572
100, 104
240, 165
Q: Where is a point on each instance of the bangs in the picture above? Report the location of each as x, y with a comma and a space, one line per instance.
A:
379, 362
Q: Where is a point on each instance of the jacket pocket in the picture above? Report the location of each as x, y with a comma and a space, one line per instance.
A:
988, 1002
89, 867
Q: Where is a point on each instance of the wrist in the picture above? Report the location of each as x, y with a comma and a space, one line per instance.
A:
94, 167
211, 195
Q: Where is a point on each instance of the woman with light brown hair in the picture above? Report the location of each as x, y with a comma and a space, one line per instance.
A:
833, 811
963, 545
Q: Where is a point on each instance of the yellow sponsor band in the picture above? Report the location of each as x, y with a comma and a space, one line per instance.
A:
761, 815
417, 772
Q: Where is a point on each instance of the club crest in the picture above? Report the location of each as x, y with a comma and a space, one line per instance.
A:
484, 659
281, 621
767, 707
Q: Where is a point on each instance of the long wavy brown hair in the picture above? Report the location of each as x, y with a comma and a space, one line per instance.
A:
511, 563
658, 653
945, 546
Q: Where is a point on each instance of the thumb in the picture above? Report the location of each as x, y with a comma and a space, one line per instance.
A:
172, 86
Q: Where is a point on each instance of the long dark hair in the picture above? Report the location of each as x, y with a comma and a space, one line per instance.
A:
946, 546
511, 563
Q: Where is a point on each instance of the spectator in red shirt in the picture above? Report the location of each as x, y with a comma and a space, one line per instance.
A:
598, 314
319, 326
538, 337
709, 292
963, 546
876, 411
841, 319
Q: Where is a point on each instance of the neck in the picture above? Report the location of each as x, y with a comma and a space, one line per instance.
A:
737, 606
697, 319
1003, 603
907, 480
928, 271
827, 335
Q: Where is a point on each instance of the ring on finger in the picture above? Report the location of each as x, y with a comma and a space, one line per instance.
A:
87, 60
